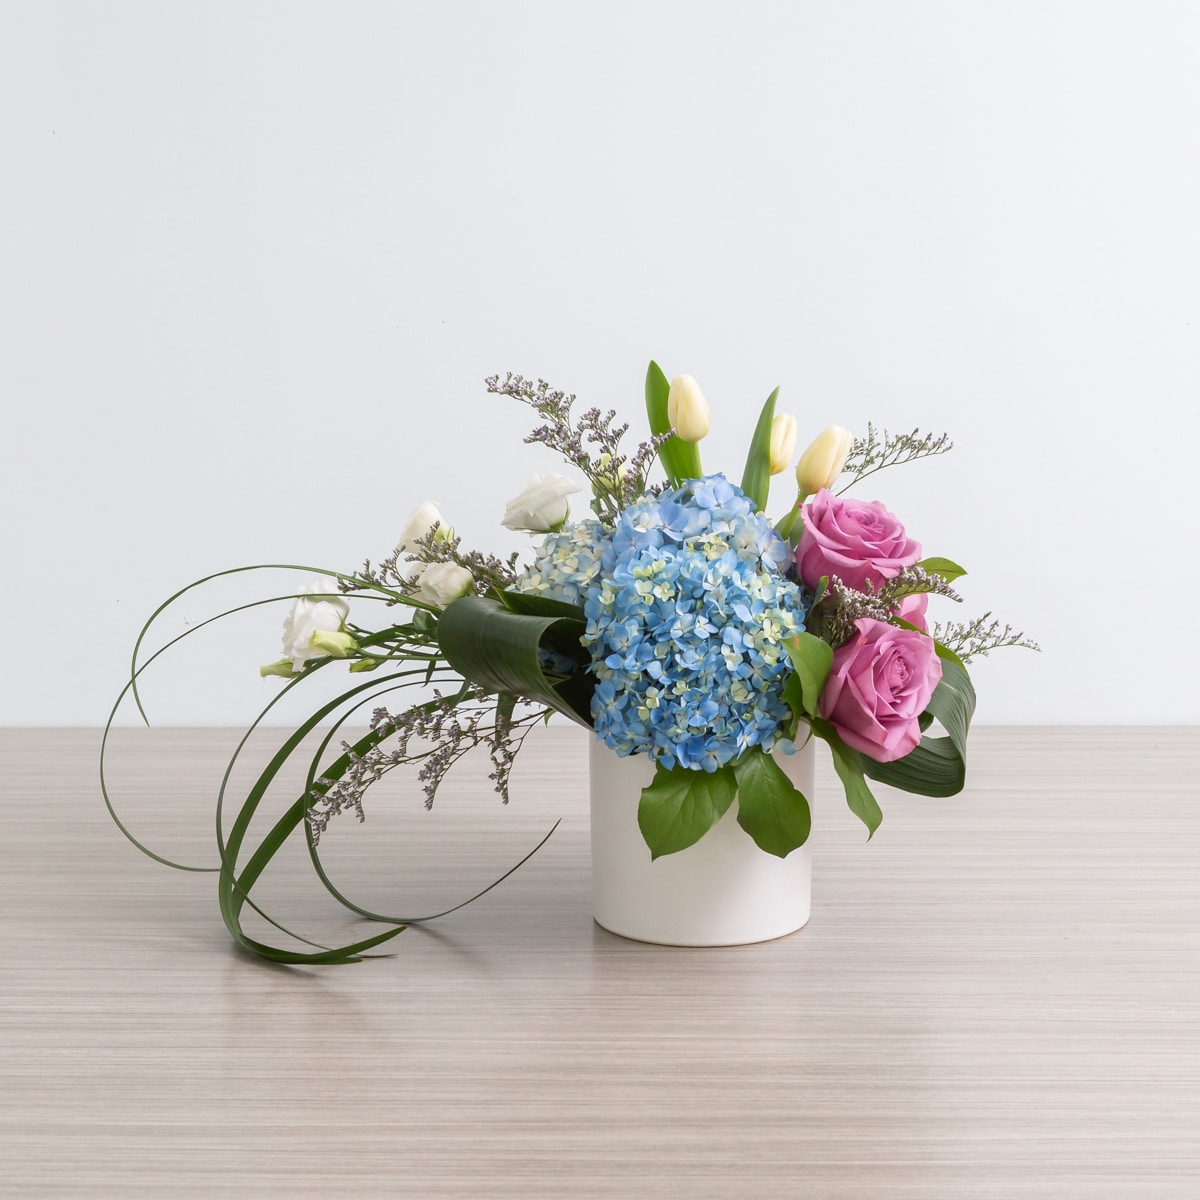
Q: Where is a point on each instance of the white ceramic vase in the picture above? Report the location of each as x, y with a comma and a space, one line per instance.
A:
723, 891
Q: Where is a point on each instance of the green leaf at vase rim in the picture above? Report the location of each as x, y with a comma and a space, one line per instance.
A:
812, 660
680, 806
496, 648
756, 479
771, 809
680, 459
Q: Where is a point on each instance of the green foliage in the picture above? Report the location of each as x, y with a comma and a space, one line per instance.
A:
756, 479
496, 648
850, 767
812, 659
937, 767
771, 809
948, 570
680, 459
680, 806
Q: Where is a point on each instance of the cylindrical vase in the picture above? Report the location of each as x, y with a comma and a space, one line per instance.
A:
721, 891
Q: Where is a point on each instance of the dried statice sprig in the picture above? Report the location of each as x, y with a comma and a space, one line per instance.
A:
591, 443
396, 571
879, 450
971, 639
878, 604
436, 735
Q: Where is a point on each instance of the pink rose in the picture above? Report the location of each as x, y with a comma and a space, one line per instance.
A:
880, 683
857, 541
913, 608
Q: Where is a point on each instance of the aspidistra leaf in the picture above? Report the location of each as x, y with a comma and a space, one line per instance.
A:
497, 648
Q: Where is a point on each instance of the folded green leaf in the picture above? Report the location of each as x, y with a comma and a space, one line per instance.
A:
680, 460
937, 767
812, 659
497, 649
771, 809
756, 479
680, 806
949, 571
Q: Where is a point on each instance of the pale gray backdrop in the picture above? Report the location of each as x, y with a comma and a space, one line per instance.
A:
256, 259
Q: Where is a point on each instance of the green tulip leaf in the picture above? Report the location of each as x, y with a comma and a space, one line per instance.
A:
680, 806
756, 479
771, 809
680, 459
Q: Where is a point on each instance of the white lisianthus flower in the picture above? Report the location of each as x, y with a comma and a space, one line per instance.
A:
318, 611
542, 507
440, 584
421, 520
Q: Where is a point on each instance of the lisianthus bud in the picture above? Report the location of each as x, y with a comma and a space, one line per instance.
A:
542, 506
282, 668
783, 442
421, 520
687, 410
440, 584
823, 461
333, 642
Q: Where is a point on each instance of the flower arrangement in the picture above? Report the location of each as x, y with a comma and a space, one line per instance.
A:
675, 621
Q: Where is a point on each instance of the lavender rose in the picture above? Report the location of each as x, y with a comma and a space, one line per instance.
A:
880, 683
857, 541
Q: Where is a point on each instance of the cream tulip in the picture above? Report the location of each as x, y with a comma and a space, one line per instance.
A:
783, 442
822, 462
687, 410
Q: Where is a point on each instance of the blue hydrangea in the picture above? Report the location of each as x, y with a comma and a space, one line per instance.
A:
685, 625
567, 563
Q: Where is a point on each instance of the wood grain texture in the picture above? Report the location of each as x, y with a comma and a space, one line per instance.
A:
998, 997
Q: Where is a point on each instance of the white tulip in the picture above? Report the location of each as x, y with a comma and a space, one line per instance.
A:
542, 507
318, 611
783, 442
687, 409
440, 584
421, 521
822, 462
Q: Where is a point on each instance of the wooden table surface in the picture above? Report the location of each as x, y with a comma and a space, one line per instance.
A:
998, 997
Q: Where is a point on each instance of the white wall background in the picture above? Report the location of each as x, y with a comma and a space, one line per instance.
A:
256, 259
